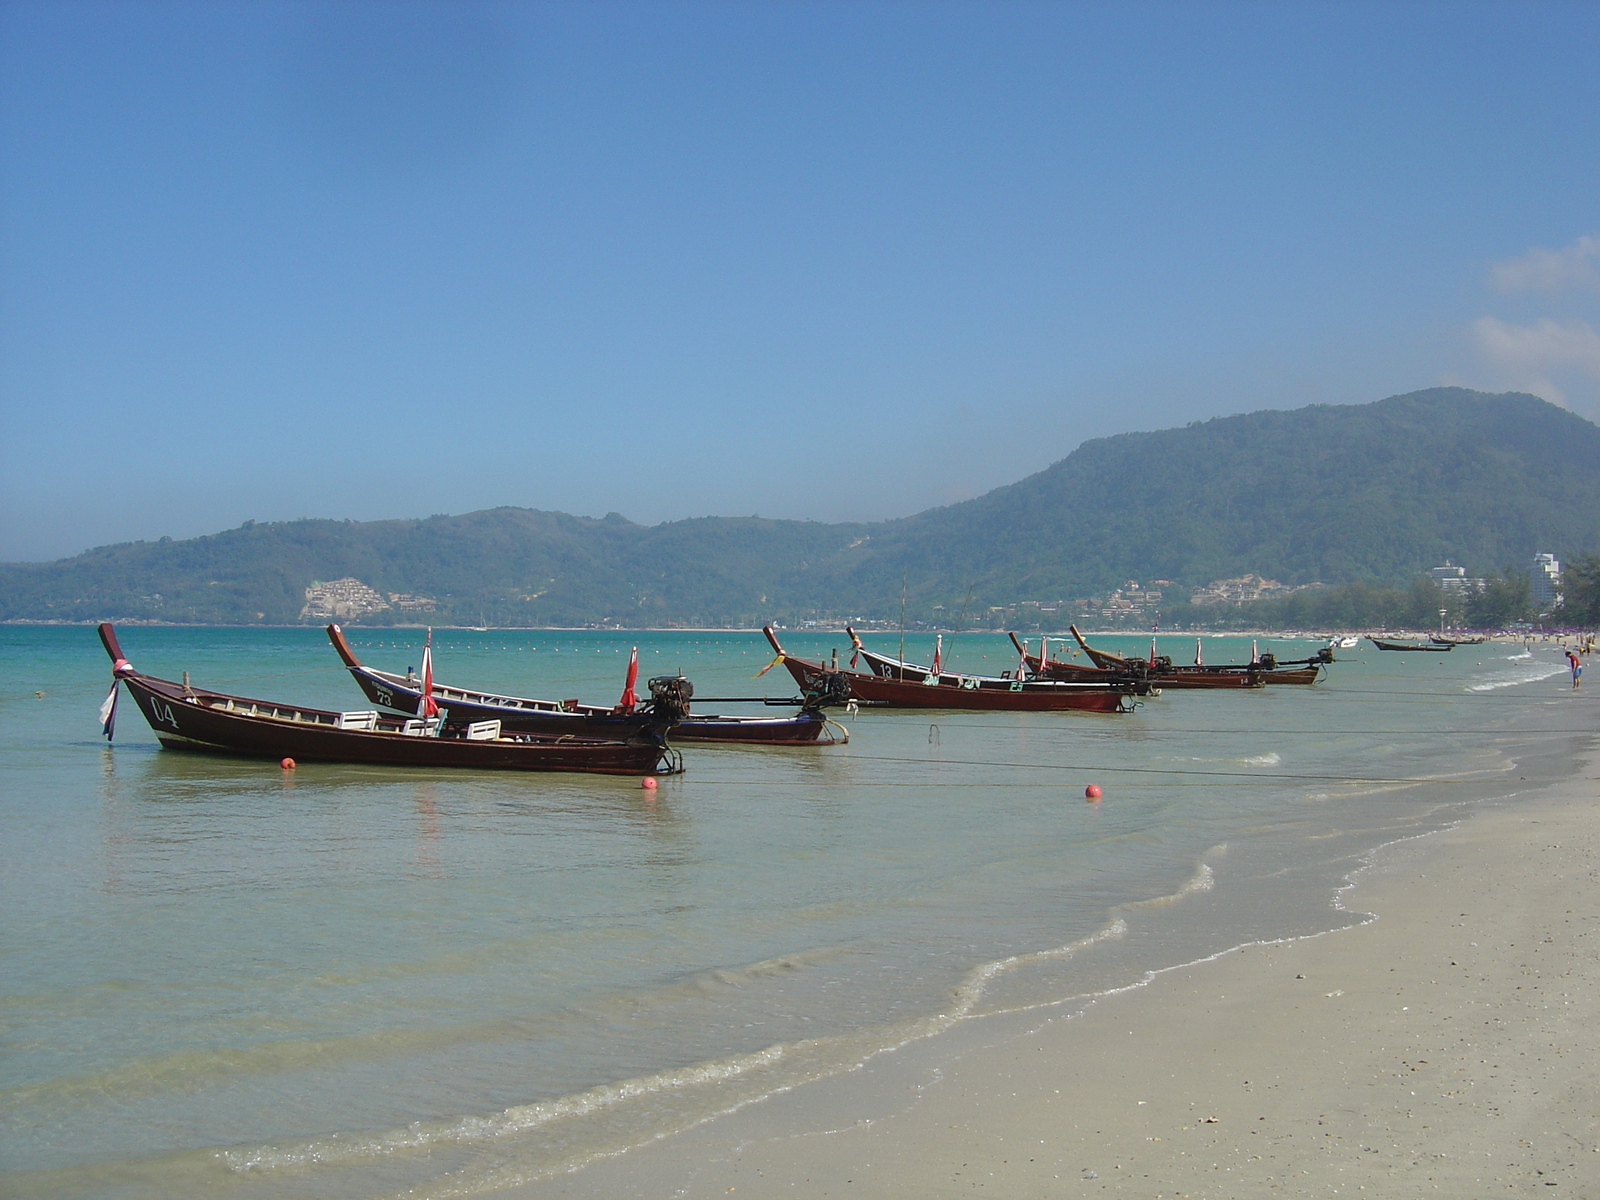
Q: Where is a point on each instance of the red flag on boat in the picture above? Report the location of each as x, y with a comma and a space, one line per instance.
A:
429, 707
630, 699
938, 654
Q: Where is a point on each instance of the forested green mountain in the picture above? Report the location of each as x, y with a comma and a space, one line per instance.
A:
1335, 494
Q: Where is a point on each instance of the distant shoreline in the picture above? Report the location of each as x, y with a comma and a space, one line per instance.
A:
1312, 635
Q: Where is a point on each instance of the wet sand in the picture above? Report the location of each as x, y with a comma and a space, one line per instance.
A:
1449, 1047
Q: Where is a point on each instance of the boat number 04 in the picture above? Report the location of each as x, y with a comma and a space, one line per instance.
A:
163, 713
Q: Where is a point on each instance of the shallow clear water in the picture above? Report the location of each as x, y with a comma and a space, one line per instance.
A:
223, 978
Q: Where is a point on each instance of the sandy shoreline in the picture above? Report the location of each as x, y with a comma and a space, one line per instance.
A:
1449, 1047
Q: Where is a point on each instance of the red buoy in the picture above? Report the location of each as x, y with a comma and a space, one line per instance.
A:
287, 764
648, 783
1092, 792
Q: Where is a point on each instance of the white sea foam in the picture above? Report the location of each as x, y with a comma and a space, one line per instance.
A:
1269, 759
1532, 673
761, 1071
486, 1127
966, 998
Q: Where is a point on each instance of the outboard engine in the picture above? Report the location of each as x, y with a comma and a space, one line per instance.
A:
828, 688
1324, 655
1268, 662
670, 696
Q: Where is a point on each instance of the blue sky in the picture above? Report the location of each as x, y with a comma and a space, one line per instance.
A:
832, 261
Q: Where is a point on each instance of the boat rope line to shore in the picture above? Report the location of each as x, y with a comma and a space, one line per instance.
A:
1188, 784
970, 762
1324, 730
1467, 694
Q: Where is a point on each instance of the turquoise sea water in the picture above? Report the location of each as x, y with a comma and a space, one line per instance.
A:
220, 979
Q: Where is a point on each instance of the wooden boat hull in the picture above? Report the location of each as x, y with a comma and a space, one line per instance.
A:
807, 727
1242, 676
1067, 672
1028, 698
953, 691
1413, 646
521, 715
1295, 675
1071, 672
187, 718
1209, 680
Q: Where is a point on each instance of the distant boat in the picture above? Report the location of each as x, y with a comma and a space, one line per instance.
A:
1129, 671
1115, 667
1348, 643
191, 718
1447, 640
893, 682
1265, 669
1383, 645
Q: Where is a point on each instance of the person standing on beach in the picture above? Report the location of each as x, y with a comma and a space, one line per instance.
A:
1576, 664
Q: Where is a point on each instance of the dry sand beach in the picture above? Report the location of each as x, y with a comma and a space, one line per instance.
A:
1448, 1047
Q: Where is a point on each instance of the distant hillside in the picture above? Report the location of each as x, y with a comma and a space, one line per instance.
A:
1327, 493
1374, 492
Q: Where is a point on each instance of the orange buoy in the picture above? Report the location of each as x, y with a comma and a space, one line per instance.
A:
287, 764
648, 783
1092, 792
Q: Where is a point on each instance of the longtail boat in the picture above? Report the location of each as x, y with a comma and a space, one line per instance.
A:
197, 719
1266, 668
1381, 644
1447, 640
666, 712
1133, 668
892, 682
